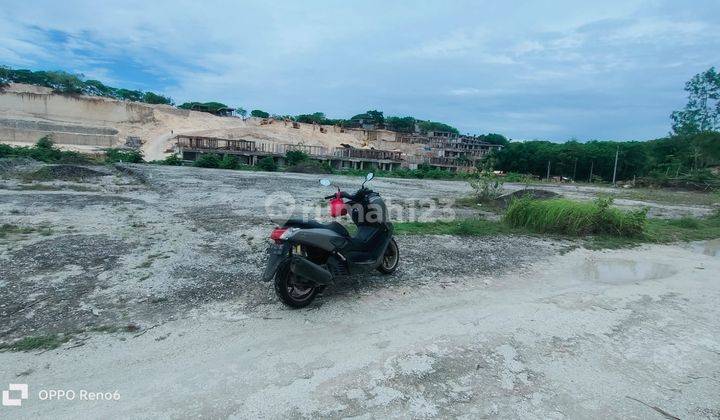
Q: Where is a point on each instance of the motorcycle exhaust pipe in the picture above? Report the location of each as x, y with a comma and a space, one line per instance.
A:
310, 271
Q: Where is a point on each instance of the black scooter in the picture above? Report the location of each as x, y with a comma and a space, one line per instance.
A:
306, 256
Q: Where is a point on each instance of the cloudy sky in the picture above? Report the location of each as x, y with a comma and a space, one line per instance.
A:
529, 69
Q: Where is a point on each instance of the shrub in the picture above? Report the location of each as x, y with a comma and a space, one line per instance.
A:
172, 160
293, 157
267, 164
575, 218
486, 185
44, 151
209, 160
311, 167
121, 155
228, 162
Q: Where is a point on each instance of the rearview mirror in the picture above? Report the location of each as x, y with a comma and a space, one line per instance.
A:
369, 176
325, 182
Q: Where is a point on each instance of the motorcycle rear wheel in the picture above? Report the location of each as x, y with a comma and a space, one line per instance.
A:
292, 293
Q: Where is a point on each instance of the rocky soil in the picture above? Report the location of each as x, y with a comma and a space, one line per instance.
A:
150, 275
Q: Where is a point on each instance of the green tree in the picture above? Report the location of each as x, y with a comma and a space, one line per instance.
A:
402, 124
427, 126
259, 113
154, 98
495, 139
241, 112
316, 117
702, 112
374, 117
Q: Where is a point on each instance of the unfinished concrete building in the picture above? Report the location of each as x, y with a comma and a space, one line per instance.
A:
446, 150
250, 152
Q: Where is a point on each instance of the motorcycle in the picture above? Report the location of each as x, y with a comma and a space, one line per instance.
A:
306, 256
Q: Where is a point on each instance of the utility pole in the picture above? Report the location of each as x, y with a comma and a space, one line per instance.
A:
696, 154
574, 169
617, 153
592, 164
548, 171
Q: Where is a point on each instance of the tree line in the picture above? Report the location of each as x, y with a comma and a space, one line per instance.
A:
692, 146
595, 160
76, 84
401, 124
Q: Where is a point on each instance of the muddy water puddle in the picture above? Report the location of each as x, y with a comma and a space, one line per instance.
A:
711, 248
618, 270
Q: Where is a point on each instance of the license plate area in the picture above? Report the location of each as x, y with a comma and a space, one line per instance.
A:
275, 250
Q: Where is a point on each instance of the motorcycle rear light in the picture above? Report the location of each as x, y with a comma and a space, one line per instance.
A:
277, 233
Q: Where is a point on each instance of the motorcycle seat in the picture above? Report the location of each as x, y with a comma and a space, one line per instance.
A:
312, 224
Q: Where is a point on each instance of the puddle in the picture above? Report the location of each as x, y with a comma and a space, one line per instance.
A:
616, 271
711, 248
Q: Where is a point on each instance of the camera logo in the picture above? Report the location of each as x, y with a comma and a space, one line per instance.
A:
15, 402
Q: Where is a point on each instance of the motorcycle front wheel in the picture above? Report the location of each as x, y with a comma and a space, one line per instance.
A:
391, 259
291, 292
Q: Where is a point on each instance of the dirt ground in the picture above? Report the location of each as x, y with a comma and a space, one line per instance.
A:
151, 273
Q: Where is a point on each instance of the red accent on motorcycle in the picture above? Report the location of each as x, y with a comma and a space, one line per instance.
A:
276, 234
337, 207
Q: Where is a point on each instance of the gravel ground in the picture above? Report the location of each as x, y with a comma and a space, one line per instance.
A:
142, 244
166, 262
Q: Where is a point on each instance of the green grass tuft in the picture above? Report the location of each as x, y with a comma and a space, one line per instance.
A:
48, 342
573, 218
655, 231
685, 223
8, 229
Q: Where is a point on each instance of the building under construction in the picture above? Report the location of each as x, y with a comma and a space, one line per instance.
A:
445, 150
437, 149
250, 152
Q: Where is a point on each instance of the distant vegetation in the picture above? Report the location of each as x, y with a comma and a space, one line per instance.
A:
375, 117
76, 84
212, 160
123, 155
45, 151
209, 106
